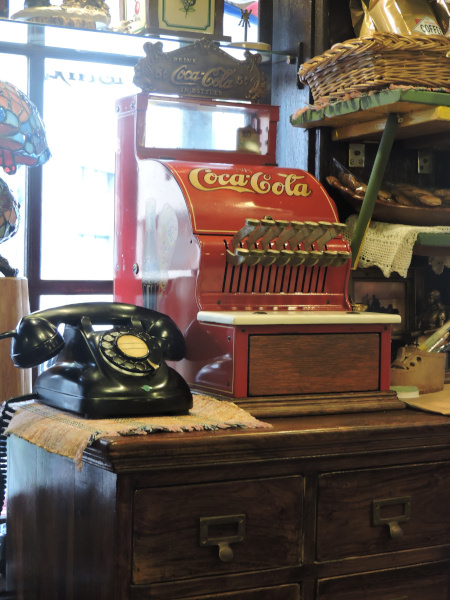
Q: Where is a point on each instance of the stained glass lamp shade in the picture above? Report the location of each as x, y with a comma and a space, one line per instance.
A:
9, 213
22, 142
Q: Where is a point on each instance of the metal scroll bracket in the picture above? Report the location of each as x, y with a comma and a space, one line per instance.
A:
373, 186
392, 521
215, 531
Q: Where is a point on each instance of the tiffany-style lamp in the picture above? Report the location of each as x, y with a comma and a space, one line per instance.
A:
22, 142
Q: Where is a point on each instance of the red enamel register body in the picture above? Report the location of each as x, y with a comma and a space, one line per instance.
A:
250, 262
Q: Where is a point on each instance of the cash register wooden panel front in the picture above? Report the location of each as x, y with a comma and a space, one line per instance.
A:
313, 363
336, 507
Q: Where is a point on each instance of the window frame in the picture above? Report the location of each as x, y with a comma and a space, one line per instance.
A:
36, 53
36, 50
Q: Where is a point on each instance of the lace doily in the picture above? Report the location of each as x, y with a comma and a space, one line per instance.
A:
390, 246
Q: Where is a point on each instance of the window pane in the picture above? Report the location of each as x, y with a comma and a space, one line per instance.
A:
55, 301
13, 31
78, 181
13, 69
95, 41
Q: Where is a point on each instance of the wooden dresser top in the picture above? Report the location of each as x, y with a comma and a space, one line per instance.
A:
293, 437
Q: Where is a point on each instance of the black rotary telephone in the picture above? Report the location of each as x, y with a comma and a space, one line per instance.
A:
102, 372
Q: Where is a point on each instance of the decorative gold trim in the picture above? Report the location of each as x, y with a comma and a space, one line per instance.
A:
200, 70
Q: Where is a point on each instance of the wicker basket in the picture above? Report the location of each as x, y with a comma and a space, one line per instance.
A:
373, 62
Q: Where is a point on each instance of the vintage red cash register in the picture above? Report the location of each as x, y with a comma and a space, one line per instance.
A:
247, 257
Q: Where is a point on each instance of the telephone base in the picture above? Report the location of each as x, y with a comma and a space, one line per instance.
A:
174, 398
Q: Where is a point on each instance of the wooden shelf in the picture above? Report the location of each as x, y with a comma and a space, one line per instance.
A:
420, 113
385, 116
412, 124
432, 244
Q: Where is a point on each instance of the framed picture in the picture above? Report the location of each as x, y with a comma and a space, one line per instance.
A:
197, 18
393, 295
134, 16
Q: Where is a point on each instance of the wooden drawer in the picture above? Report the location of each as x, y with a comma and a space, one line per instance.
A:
282, 592
217, 528
313, 363
429, 582
382, 510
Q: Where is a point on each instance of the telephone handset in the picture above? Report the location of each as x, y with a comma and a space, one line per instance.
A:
103, 372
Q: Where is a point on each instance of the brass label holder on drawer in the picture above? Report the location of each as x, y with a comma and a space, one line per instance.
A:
222, 541
392, 522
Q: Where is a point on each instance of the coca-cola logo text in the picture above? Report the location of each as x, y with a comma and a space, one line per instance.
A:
290, 184
218, 78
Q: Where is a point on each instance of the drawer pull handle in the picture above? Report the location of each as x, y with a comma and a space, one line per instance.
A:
220, 526
225, 552
395, 531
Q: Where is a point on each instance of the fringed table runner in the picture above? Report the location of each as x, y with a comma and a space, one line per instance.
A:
67, 434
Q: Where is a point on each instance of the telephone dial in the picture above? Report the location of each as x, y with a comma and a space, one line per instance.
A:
100, 372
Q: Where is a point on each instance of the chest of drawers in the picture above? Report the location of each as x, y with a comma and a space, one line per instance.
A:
342, 507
